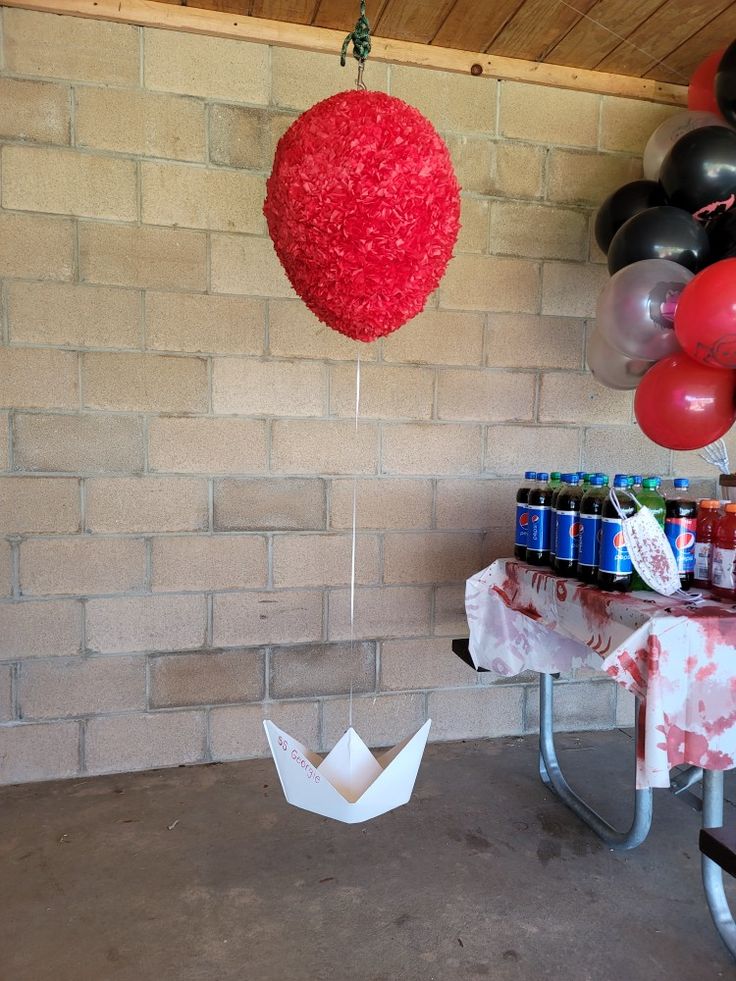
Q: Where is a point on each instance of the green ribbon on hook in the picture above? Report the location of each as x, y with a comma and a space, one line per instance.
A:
361, 38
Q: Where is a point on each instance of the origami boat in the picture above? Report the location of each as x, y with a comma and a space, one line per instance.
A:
350, 784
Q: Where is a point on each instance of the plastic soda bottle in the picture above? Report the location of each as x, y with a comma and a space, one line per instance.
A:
522, 515
555, 479
538, 526
636, 484
680, 525
567, 526
556, 491
705, 533
590, 520
614, 565
723, 574
649, 497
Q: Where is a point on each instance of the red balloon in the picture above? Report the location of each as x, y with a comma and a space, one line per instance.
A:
682, 405
705, 317
701, 90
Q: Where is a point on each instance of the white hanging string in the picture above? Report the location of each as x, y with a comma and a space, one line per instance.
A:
352, 548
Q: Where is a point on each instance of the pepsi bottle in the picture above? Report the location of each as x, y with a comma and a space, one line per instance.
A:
615, 569
522, 515
556, 491
591, 506
680, 525
567, 526
538, 509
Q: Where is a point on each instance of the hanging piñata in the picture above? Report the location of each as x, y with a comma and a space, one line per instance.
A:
363, 208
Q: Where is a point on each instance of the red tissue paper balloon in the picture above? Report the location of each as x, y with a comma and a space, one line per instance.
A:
682, 405
705, 317
363, 208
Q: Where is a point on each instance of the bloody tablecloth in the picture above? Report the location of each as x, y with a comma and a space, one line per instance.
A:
679, 658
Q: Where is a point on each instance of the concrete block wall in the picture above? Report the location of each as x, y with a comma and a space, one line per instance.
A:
176, 443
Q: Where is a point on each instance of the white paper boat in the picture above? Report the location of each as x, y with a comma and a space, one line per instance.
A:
350, 784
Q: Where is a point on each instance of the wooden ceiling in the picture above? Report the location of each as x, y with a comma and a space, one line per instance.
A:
659, 39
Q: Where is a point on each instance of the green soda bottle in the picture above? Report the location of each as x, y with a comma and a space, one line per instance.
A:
650, 497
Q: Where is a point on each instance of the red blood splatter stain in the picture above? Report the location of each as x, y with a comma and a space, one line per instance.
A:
529, 611
594, 605
561, 590
684, 746
628, 663
718, 726
717, 625
690, 663
706, 672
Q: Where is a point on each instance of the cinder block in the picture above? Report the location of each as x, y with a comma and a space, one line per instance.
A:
323, 560
211, 678
548, 115
202, 197
384, 720
476, 714
209, 562
269, 505
627, 124
275, 617
588, 178
580, 705
416, 448
81, 686
537, 231
7, 708
146, 623
77, 316
520, 169
240, 136
39, 752
486, 282
146, 382
32, 245
626, 448
474, 221
396, 611
323, 446
422, 663
572, 289
430, 557
473, 161
301, 78
437, 337
569, 397
386, 391
217, 68
83, 50
207, 445
294, 332
481, 395
382, 502
550, 447
32, 378
277, 388
479, 504
625, 708
68, 182
248, 266
204, 323
40, 505
322, 669
519, 340
78, 444
82, 566
142, 256
35, 111
146, 504
141, 741
40, 629
449, 608
129, 121
449, 100
236, 732
6, 571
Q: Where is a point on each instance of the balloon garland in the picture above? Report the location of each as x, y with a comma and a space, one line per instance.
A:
363, 208
666, 321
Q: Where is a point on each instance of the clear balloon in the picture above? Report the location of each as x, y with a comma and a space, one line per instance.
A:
682, 405
669, 132
636, 308
610, 367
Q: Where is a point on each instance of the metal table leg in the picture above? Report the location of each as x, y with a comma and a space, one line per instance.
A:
551, 774
712, 873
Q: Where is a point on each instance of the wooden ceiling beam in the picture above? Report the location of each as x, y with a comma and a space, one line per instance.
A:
165, 16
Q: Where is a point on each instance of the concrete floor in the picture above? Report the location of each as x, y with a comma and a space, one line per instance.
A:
206, 874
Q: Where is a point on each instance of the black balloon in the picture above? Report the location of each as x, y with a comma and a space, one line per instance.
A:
699, 173
627, 201
725, 86
660, 233
722, 236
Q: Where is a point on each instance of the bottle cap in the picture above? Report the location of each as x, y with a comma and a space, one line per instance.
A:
731, 508
682, 482
581, 474
597, 480
636, 478
649, 483
555, 475
709, 504
542, 476
530, 475
621, 480
604, 478
573, 480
